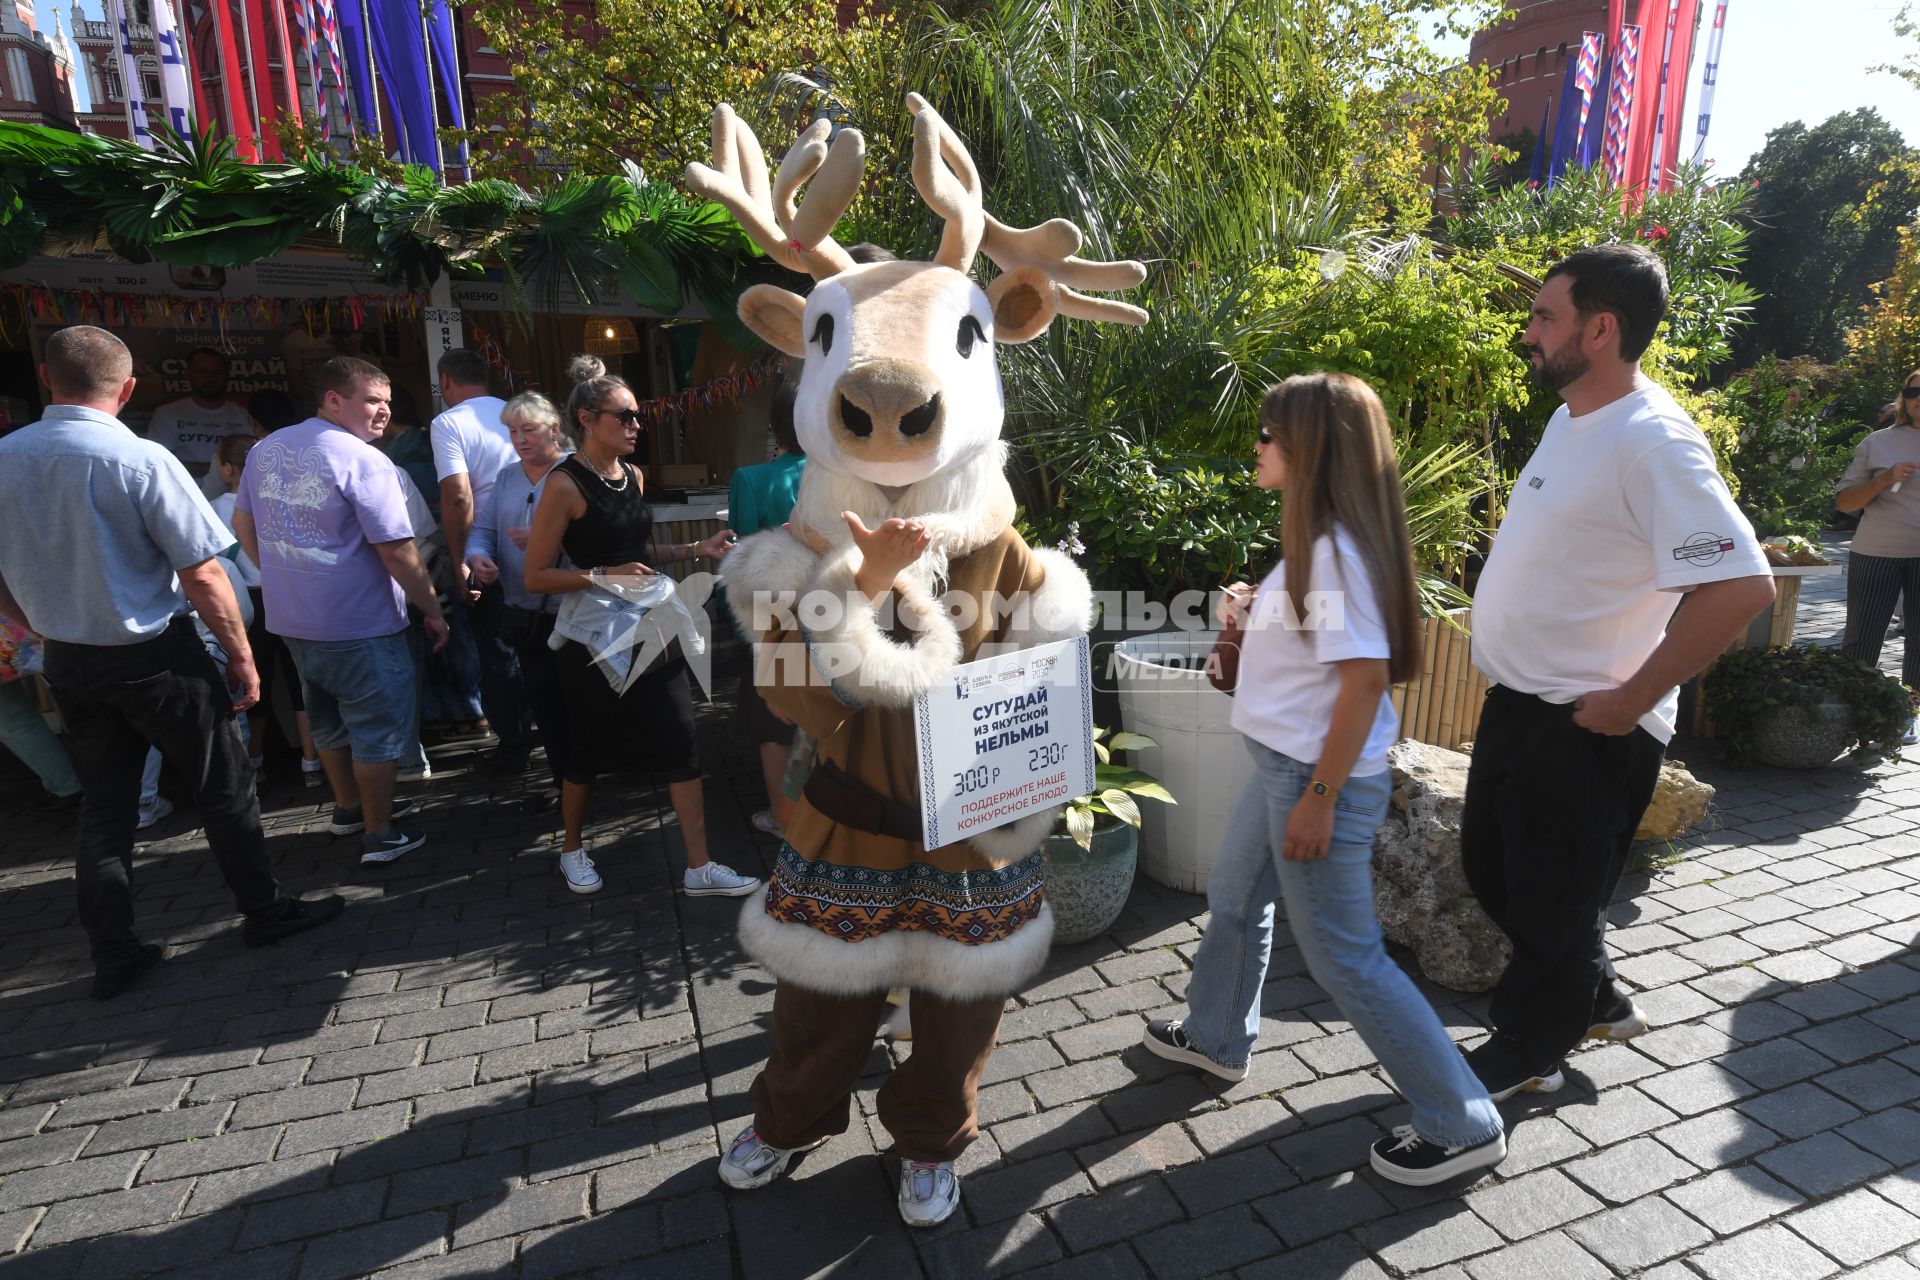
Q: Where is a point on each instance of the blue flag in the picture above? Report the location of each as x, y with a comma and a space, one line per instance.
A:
1565, 127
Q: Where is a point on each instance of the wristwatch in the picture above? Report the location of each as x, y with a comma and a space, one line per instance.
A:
1320, 788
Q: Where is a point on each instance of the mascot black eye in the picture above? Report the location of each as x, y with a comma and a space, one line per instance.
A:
970, 333
823, 333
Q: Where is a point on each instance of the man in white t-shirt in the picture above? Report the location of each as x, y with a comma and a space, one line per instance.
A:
1618, 514
191, 428
469, 447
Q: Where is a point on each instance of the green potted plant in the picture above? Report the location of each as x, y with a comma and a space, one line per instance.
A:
1803, 706
1092, 852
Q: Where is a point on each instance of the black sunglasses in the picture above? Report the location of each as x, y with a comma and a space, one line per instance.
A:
626, 417
1266, 436
1910, 392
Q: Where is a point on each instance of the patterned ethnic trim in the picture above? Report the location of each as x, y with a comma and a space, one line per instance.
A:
856, 903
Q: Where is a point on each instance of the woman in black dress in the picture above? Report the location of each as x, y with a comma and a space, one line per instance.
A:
593, 508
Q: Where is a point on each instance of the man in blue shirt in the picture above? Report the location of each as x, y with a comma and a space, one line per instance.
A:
109, 546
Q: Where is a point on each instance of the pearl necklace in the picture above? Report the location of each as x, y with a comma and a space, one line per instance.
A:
615, 488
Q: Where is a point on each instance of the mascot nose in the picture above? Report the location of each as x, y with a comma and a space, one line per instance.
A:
889, 399
916, 422
857, 420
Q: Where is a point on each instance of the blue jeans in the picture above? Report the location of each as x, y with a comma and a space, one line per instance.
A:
1330, 908
453, 675
502, 689
24, 732
359, 693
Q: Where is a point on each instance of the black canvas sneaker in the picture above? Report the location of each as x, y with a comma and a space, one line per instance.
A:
344, 822
1615, 1017
1165, 1038
1405, 1157
1502, 1069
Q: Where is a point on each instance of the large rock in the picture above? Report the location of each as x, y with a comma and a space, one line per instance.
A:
1419, 888
1679, 803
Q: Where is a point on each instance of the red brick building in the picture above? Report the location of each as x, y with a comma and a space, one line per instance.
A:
35, 72
1531, 52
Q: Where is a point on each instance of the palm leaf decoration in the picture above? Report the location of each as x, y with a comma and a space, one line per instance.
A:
192, 201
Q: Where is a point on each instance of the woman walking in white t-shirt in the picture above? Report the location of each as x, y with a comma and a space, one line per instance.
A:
1883, 562
1327, 632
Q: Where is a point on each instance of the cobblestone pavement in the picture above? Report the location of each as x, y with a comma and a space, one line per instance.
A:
476, 1073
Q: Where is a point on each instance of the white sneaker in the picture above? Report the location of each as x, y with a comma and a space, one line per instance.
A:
152, 817
716, 881
422, 774
751, 1163
929, 1192
898, 1024
577, 867
767, 824
1912, 735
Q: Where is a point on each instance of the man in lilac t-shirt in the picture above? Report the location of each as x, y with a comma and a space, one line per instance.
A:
322, 513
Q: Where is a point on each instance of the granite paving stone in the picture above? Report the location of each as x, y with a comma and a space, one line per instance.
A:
1640, 1234
1628, 1171
477, 1073
1321, 1208
1206, 1245
1798, 1110
1768, 1252
1872, 1086
1533, 1203
1614, 1116
1893, 1134
1731, 1200
1704, 1086
1857, 1227
1135, 1154
1235, 1178
1429, 1237
1823, 1163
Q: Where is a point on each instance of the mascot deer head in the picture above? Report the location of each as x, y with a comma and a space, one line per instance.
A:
900, 381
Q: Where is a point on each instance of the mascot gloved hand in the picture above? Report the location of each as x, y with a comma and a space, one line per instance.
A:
902, 562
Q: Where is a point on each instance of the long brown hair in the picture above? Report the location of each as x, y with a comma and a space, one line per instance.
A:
1903, 407
1332, 434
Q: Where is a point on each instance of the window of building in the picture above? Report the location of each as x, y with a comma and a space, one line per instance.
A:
150, 80
20, 71
113, 86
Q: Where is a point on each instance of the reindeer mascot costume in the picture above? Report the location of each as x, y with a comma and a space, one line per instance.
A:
901, 562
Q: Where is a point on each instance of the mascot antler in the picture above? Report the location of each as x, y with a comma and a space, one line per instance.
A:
944, 174
796, 236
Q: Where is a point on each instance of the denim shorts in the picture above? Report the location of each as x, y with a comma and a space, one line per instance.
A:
359, 693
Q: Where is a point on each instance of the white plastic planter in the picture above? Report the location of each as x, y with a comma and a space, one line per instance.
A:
1201, 758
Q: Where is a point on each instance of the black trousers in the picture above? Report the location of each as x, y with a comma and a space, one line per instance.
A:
1550, 813
116, 702
503, 693
540, 677
1875, 584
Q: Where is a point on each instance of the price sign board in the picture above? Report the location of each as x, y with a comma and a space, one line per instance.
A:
1004, 737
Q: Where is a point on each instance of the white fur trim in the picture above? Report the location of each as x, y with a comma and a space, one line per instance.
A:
1060, 609
865, 666
1018, 838
814, 960
767, 570
965, 506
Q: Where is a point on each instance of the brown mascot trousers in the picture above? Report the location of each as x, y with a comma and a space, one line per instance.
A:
822, 1045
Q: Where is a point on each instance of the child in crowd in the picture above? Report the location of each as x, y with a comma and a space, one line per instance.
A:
1324, 636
